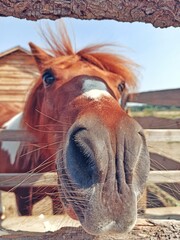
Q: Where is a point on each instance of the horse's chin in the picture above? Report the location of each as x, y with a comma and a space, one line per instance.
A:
104, 227
108, 226
106, 230
98, 220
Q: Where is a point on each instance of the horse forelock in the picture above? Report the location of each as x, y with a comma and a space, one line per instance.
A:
103, 56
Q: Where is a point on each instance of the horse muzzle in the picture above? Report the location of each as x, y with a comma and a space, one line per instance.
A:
103, 173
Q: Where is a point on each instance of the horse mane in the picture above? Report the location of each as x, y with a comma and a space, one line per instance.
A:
100, 55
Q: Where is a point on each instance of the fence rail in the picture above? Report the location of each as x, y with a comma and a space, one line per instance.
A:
49, 179
152, 135
170, 97
16, 135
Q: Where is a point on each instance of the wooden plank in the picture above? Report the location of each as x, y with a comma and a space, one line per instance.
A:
28, 179
50, 178
151, 122
164, 176
163, 213
152, 135
16, 81
145, 229
162, 135
13, 92
11, 98
5, 77
163, 97
43, 223
16, 135
10, 76
6, 88
165, 159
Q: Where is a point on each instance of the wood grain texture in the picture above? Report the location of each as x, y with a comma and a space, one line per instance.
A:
162, 135
164, 177
16, 135
17, 74
170, 97
50, 179
159, 13
144, 229
151, 122
152, 135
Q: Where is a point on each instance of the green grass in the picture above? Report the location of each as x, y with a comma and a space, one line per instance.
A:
170, 112
160, 114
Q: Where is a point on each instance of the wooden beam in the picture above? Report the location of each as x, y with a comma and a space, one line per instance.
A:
159, 13
152, 135
145, 229
16, 135
164, 176
162, 135
12, 98
170, 97
155, 122
50, 178
13, 88
28, 179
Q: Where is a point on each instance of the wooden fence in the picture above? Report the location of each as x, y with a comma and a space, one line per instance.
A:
164, 148
170, 97
163, 127
155, 136
164, 97
50, 179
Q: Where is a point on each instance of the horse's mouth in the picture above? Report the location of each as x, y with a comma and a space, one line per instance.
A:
99, 215
97, 220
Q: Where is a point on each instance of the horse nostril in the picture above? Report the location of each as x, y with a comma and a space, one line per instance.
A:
77, 130
80, 159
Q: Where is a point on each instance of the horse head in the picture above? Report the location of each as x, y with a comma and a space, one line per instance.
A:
100, 152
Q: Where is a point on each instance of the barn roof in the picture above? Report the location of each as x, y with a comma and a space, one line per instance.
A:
14, 49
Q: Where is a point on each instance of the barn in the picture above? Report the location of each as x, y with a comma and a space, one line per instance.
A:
17, 73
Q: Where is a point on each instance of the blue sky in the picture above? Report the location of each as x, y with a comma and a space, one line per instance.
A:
157, 51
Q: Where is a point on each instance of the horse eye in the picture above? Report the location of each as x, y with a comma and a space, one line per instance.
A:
121, 86
48, 77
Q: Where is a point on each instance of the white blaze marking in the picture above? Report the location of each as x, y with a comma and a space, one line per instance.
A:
10, 146
94, 89
96, 94
90, 84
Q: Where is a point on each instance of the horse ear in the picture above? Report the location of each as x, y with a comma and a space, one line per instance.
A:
39, 55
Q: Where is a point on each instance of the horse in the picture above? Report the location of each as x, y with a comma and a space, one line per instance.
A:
98, 151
